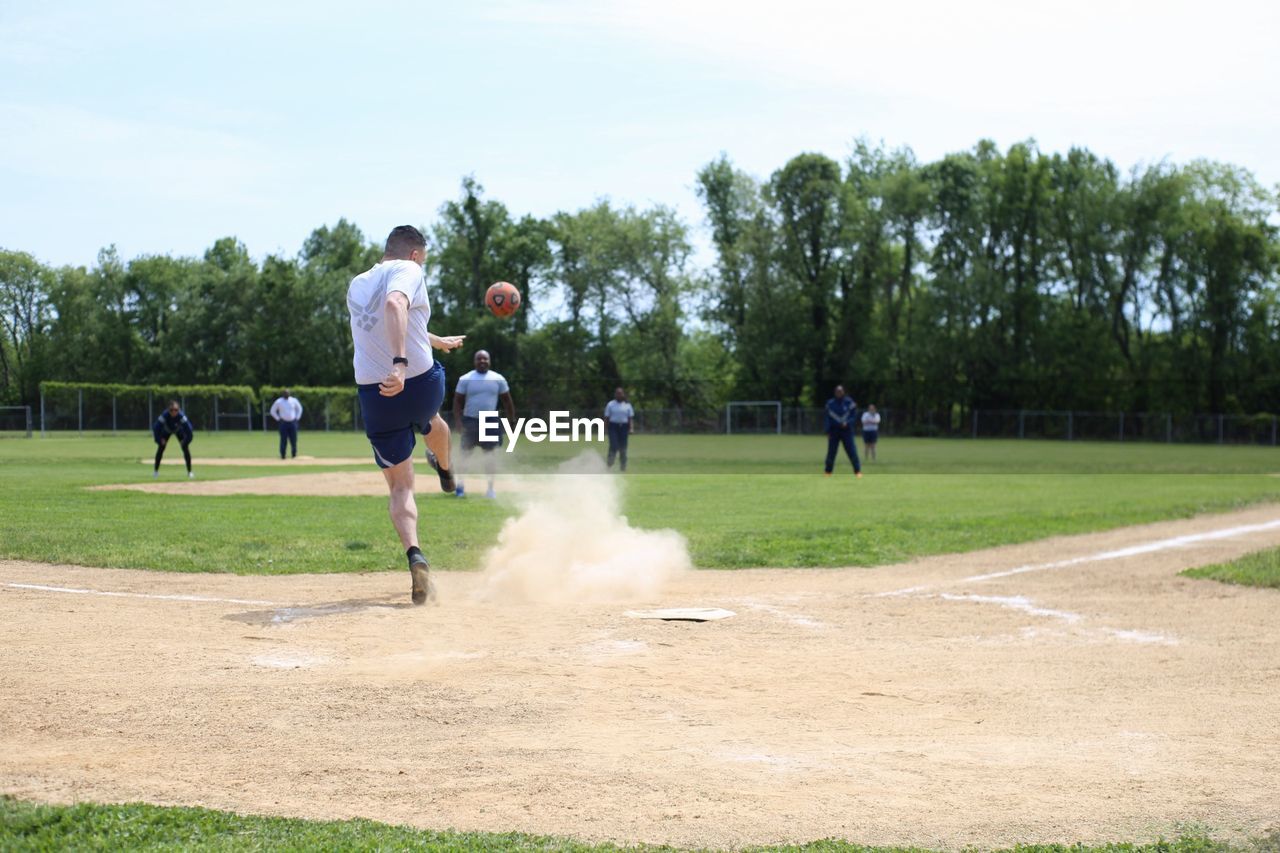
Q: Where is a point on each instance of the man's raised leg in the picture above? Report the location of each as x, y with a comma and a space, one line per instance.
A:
438, 453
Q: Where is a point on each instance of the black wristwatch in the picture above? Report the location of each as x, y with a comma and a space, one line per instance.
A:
399, 360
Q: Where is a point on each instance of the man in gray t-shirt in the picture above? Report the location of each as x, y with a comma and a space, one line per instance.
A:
478, 391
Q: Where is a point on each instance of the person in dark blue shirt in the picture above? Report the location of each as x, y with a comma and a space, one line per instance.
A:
172, 421
841, 414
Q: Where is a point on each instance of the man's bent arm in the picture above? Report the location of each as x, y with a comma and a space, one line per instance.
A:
397, 321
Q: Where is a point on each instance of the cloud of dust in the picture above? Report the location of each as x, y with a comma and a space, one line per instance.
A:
570, 543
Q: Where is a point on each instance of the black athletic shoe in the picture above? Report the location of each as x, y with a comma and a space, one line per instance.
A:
447, 483
420, 571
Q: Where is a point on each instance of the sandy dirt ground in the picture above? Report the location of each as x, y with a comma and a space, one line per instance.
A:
368, 483
261, 461
1074, 689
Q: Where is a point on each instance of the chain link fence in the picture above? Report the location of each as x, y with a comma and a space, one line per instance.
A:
71, 408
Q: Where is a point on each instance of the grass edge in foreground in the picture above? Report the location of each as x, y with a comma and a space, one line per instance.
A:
31, 826
1258, 568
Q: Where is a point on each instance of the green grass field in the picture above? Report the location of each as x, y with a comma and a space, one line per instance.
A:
86, 826
741, 501
1261, 568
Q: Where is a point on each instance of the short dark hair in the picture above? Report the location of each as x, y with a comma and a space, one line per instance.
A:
402, 240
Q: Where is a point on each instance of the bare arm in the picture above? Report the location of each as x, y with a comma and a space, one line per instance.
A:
459, 406
446, 343
397, 314
509, 405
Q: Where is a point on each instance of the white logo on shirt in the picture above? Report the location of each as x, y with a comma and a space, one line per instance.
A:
364, 315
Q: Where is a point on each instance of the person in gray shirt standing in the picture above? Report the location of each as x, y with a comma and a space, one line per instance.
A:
480, 390
619, 415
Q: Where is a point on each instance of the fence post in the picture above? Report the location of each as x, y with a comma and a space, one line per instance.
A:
326, 414
1021, 415
1219, 429
42, 434
1168, 427
1273, 430
80, 410
148, 409
28, 422
217, 416
248, 415
975, 423
1122, 426
264, 415
1070, 418
113, 414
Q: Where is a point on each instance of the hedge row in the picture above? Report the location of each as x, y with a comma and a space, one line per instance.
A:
243, 392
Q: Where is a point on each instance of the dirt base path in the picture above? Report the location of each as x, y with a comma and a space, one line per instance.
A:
1075, 689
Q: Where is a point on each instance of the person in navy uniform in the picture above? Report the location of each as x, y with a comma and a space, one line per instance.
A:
620, 416
173, 421
841, 413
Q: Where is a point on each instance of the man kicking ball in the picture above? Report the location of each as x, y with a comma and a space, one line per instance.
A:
400, 383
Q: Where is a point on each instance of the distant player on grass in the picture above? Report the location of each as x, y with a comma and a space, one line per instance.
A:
840, 413
287, 410
480, 390
870, 432
619, 416
400, 383
173, 421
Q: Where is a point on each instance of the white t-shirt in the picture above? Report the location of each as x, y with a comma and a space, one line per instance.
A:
871, 421
618, 413
366, 302
286, 409
482, 391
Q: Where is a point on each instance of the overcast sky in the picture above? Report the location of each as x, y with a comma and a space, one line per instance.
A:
160, 129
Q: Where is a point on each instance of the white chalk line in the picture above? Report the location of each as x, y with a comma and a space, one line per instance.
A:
1101, 556
111, 594
1022, 604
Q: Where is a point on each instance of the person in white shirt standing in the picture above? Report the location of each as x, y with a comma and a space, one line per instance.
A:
287, 411
399, 382
480, 390
618, 416
870, 432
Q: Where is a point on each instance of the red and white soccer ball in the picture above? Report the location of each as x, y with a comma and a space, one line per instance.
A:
502, 298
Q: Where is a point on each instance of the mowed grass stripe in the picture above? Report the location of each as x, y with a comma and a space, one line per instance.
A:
740, 501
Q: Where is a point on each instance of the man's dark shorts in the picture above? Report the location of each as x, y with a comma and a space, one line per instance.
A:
471, 435
392, 423
870, 436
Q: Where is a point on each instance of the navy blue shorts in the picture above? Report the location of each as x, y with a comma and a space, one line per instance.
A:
392, 423
869, 436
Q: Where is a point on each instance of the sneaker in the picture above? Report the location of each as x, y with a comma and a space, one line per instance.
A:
191, 475
491, 494
155, 475
826, 473
423, 588
858, 474
460, 492
447, 483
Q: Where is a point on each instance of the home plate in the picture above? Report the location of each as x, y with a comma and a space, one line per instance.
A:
682, 614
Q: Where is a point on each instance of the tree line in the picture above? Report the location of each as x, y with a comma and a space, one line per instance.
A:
984, 279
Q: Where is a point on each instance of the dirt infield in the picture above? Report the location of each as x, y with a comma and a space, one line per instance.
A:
324, 484
1075, 689
264, 461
